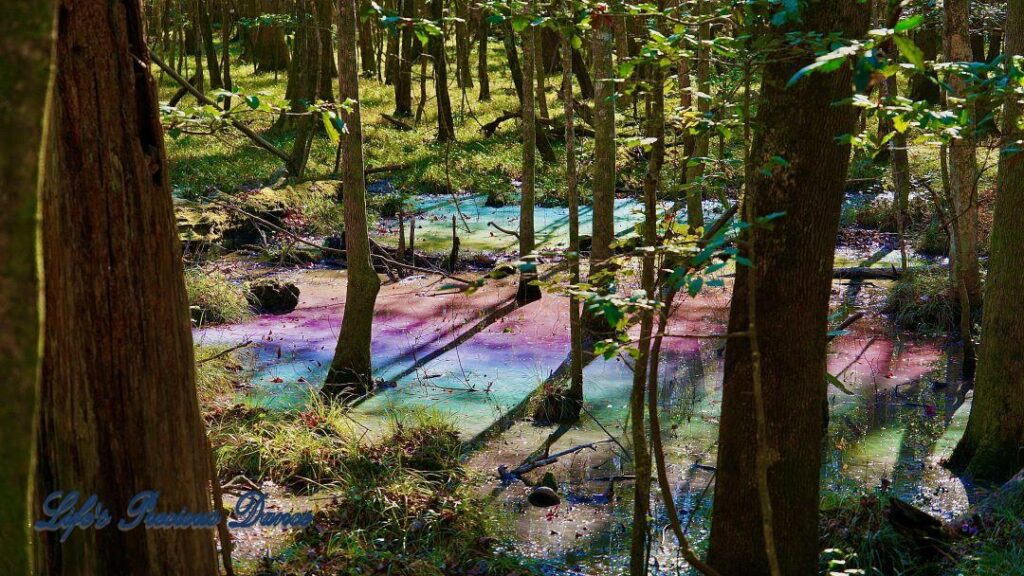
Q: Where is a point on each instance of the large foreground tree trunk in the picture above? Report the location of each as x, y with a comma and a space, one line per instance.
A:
992, 448
351, 369
118, 381
791, 278
25, 77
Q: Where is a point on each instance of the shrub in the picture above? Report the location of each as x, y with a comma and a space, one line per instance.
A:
213, 298
922, 301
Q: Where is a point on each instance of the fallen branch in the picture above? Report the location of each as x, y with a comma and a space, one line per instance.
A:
387, 168
224, 352
506, 231
259, 140
845, 324
867, 273
396, 122
529, 466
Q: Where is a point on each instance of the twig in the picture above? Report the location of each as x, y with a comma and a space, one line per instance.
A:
224, 352
506, 231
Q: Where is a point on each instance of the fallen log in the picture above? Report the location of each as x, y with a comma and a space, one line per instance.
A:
396, 122
868, 273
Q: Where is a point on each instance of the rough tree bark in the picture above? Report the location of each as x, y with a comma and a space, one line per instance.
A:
265, 45
351, 369
26, 73
445, 123
463, 46
603, 179
205, 25
367, 55
962, 162
328, 69
575, 393
992, 447
791, 276
403, 81
701, 142
118, 377
483, 77
528, 293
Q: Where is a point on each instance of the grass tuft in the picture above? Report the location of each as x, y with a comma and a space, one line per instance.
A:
213, 298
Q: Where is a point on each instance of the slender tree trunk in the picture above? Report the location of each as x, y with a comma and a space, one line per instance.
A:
575, 394
701, 141
226, 24
445, 124
644, 361
528, 293
542, 88
508, 39
328, 69
26, 75
962, 161
195, 44
463, 46
403, 82
391, 62
118, 377
992, 448
901, 178
206, 29
351, 370
772, 422
481, 60
582, 75
603, 179
367, 55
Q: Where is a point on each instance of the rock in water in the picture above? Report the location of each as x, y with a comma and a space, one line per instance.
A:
274, 297
543, 497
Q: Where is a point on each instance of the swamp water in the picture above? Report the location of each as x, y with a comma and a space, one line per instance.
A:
475, 357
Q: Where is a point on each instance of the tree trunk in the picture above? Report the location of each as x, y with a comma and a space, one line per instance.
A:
445, 124
508, 39
206, 29
575, 393
304, 82
403, 81
582, 75
367, 55
962, 162
328, 69
25, 80
990, 450
900, 178
463, 46
924, 86
701, 141
391, 61
483, 77
791, 278
351, 370
118, 377
603, 179
527, 292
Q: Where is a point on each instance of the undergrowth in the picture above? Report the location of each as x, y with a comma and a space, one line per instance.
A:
213, 298
401, 501
922, 301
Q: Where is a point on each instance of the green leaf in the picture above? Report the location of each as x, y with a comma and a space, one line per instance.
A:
576, 42
910, 51
909, 23
519, 23
332, 132
830, 379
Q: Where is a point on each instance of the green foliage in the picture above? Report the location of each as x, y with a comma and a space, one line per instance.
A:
213, 298
922, 301
217, 372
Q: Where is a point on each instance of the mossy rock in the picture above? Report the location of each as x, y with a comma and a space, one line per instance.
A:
274, 297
